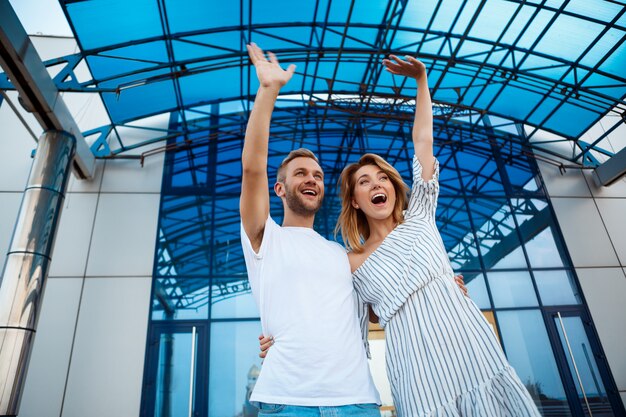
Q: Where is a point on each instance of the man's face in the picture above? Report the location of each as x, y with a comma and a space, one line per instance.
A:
304, 186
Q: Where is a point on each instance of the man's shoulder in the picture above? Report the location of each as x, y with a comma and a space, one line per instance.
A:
337, 246
337, 250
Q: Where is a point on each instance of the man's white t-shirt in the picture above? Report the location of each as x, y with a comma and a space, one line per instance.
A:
303, 288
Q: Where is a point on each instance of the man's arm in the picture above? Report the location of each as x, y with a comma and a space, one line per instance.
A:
423, 123
254, 204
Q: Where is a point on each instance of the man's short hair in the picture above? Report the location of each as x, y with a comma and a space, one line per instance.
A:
297, 153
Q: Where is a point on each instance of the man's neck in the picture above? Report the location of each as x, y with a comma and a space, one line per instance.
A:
294, 220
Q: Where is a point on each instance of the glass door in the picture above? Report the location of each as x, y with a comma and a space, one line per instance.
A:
585, 371
172, 383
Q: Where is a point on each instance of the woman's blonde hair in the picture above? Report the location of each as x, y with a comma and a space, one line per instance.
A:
352, 222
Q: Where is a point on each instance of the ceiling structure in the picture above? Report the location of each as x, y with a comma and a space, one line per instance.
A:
510, 80
551, 65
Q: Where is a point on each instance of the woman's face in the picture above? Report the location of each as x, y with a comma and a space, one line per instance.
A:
373, 192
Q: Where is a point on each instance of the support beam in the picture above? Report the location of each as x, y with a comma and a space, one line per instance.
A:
612, 170
38, 92
28, 260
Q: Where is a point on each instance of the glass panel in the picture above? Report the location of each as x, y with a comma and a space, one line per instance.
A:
185, 236
173, 375
479, 174
557, 41
512, 289
234, 367
496, 233
529, 352
526, 209
191, 244
464, 254
537, 227
185, 16
521, 177
453, 223
448, 176
582, 365
571, 119
477, 289
180, 299
232, 299
557, 288
542, 250
513, 259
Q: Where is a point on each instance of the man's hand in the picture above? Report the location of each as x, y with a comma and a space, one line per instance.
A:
264, 343
270, 73
458, 279
412, 67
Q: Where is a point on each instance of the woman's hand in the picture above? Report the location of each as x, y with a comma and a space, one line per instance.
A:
373, 317
269, 73
458, 279
264, 343
411, 67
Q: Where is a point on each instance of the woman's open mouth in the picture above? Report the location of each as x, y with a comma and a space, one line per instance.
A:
379, 198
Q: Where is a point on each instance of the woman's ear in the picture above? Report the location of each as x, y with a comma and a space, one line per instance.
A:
354, 204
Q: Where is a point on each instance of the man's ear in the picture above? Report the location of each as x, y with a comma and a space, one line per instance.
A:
279, 189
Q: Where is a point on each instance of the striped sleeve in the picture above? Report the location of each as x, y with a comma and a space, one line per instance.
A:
423, 200
364, 318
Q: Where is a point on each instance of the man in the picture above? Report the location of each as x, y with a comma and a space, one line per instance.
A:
302, 283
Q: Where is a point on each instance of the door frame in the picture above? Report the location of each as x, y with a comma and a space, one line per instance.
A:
569, 380
148, 394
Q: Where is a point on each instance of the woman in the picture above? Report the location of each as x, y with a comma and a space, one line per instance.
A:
443, 358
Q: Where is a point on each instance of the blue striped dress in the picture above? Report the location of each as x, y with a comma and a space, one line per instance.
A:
442, 356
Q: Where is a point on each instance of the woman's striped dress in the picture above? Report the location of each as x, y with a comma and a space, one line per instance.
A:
443, 358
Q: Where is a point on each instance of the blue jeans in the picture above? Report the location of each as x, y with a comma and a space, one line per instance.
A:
353, 410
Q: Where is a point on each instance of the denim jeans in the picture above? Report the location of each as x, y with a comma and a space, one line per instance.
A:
353, 410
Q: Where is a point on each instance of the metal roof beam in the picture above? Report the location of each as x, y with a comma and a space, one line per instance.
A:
28, 74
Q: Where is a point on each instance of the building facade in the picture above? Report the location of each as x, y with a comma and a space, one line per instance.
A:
147, 310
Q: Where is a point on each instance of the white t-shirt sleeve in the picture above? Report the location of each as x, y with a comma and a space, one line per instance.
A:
254, 259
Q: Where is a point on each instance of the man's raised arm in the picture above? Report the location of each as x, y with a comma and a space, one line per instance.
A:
254, 204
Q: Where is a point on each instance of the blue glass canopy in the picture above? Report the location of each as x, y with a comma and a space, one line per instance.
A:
551, 65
